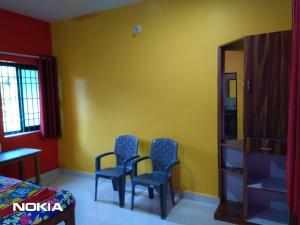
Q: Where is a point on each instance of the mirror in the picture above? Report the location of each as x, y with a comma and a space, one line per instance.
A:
230, 105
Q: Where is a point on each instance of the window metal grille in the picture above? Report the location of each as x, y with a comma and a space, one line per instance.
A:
20, 98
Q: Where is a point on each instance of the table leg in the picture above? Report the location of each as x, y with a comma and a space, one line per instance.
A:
21, 170
37, 169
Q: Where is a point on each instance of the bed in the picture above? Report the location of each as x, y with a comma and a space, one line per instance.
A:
21, 192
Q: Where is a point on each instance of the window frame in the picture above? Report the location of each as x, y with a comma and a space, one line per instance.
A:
24, 129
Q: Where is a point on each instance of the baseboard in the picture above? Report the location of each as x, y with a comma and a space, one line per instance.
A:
46, 176
183, 194
201, 198
77, 173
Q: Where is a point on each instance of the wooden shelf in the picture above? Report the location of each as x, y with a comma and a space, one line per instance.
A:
272, 184
232, 212
234, 171
235, 144
270, 216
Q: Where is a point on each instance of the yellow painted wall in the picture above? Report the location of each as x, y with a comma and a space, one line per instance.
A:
162, 83
234, 63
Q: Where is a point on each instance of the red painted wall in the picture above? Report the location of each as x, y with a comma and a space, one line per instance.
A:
23, 34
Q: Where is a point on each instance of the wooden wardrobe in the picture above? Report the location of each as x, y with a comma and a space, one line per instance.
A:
252, 152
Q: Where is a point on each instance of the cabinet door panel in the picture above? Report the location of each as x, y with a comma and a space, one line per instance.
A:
256, 91
267, 62
280, 53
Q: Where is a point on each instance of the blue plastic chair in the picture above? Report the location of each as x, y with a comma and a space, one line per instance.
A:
126, 148
164, 157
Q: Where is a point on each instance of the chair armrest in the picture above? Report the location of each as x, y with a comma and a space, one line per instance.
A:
172, 165
99, 157
141, 159
134, 165
125, 162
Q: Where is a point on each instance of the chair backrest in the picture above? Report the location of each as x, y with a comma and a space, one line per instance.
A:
126, 146
163, 153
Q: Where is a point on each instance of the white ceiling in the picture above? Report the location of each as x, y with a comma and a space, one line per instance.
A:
55, 10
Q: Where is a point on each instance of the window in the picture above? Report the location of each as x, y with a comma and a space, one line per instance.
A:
20, 98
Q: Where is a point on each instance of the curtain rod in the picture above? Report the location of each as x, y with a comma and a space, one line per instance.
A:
19, 55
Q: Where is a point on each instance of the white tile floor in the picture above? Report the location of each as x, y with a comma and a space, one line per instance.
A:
106, 211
